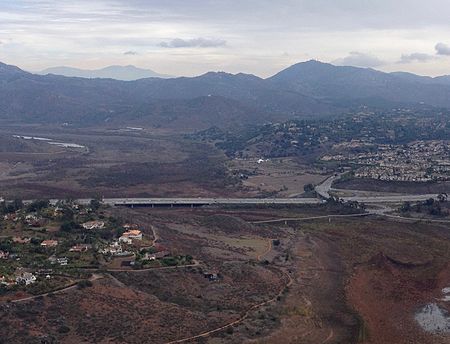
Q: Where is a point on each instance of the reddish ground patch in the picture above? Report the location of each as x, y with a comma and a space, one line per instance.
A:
388, 294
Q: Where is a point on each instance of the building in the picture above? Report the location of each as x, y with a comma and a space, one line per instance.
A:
26, 278
19, 240
33, 220
125, 240
4, 255
93, 225
133, 234
49, 243
80, 248
114, 249
62, 261
157, 255
129, 226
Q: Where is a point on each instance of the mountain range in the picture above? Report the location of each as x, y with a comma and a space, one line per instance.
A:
125, 73
307, 89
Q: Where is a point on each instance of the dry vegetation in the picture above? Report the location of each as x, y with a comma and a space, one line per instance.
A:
114, 163
343, 281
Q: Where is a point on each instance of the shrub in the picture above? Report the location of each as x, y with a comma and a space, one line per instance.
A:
84, 284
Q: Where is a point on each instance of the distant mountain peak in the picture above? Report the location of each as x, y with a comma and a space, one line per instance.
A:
124, 73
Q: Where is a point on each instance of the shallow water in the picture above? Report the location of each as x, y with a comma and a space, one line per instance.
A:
50, 141
32, 138
66, 145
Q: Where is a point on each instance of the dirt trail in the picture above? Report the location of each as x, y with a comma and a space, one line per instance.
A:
246, 315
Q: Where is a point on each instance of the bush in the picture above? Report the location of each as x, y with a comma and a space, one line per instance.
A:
84, 284
63, 329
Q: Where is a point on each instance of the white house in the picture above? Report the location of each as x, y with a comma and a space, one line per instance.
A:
26, 277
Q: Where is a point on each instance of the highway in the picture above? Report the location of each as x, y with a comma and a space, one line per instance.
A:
322, 190
209, 201
250, 201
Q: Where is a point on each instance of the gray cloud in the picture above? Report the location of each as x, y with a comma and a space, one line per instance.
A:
194, 43
131, 52
40, 33
442, 49
415, 57
359, 59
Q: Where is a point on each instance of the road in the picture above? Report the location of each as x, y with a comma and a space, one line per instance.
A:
196, 201
246, 201
324, 188
259, 201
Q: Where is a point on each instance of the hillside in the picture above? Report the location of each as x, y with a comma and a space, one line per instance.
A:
306, 90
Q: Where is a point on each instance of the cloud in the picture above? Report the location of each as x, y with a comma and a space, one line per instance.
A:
415, 57
442, 49
130, 52
194, 43
358, 59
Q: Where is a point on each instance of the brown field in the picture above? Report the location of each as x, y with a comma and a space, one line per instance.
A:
344, 281
113, 163
392, 187
284, 177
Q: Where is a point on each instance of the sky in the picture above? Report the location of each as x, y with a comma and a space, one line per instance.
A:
191, 37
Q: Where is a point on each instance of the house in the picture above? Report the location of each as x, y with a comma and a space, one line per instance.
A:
134, 234
93, 225
80, 248
33, 220
157, 255
129, 226
114, 249
4, 255
125, 240
62, 261
26, 278
19, 240
11, 217
49, 243
5, 281
58, 211
212, 276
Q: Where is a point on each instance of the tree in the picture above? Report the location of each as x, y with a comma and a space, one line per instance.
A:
308, 187
442, 197
406, 207
68, 226
95, 204
429, 202
38, 205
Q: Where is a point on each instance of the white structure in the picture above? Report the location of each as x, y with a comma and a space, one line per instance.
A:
93, 225
26, 277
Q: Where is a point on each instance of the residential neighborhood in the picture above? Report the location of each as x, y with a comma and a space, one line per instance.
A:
419, 161
45, 247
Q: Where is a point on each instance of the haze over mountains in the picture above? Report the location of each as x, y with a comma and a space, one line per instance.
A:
308, 89
125, 73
